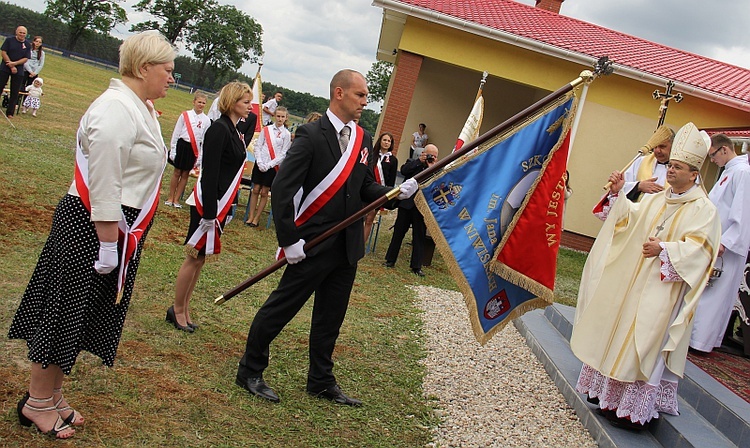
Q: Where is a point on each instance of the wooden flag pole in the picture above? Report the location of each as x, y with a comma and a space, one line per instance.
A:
602, 67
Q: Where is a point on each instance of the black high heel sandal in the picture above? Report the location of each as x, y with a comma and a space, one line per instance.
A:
59, 426
173, 320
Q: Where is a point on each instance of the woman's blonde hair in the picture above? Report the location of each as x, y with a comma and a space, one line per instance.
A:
312, 116
148, 47
231, 93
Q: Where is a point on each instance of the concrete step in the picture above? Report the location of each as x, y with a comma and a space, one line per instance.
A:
711, 415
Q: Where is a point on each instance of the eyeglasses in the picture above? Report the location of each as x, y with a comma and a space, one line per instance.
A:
711, 155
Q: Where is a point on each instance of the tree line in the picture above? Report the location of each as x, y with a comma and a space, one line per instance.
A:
220, 37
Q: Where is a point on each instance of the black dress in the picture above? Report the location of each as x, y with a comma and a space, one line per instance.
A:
68, 306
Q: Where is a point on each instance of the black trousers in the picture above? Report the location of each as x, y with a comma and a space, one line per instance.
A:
330, 276
15, 85
406, 217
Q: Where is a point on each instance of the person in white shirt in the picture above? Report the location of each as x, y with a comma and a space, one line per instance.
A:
213, 111
731, 196
273, 143
269, 108
187, 147
648, 174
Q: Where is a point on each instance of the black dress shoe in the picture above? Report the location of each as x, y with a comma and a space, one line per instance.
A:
173, 320
389, 264
418, 272
256, 386
335, 394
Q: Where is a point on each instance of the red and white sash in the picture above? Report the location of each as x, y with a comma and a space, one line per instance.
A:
379, 176
189, 127
128, 236
269, 144
329, 186
211, 239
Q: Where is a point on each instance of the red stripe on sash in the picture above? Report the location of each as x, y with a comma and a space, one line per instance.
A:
189, 127
340, 180
269, 145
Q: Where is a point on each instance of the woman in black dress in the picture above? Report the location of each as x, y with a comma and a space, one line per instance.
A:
79, 292
223, 162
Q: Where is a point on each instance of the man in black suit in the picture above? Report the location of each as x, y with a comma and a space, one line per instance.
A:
409, 215
332, 156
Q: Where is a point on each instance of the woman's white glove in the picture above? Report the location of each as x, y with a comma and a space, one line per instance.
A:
206, 224
408, 188
108, 258
295, 253
172, 154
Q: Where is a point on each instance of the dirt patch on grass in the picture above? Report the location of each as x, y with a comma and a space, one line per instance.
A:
17, 217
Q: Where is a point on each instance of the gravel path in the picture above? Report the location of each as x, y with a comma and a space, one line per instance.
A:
498, 395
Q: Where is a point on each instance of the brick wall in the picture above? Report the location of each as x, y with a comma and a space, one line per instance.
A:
399, 99
576, 241
550, 5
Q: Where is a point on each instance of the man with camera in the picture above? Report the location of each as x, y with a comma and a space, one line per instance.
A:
408, 214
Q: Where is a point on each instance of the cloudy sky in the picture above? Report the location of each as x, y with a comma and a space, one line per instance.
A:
306, 42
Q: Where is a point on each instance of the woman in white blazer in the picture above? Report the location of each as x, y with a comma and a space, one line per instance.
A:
79, 292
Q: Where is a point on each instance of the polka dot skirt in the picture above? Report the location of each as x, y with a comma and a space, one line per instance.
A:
68, 306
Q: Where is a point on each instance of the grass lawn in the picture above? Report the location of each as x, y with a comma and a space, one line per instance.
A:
169, 388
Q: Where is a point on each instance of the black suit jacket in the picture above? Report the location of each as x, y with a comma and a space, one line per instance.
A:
314, 153
223, 155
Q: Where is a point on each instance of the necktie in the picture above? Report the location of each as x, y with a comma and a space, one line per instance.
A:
344, 138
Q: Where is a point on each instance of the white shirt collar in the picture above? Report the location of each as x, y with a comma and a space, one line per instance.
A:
337, 123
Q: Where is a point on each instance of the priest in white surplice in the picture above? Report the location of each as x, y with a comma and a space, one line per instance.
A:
640, 288
731, 195
648, 173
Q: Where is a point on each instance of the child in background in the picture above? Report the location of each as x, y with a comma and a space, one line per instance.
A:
273, 143
33, 100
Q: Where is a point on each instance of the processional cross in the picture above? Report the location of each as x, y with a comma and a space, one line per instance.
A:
665, 97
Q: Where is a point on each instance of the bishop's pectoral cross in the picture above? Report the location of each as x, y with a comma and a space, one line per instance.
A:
665, 97
659, 228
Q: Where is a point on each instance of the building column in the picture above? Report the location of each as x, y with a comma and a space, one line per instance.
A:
400, 92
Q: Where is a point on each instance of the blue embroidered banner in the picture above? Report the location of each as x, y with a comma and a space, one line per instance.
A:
470, 205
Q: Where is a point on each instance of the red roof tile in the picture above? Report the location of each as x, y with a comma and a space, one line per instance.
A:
593, 40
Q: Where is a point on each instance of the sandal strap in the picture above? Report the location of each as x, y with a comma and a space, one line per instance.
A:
38, 400
60, 425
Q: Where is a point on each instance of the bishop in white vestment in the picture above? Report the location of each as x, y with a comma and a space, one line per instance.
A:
640, 288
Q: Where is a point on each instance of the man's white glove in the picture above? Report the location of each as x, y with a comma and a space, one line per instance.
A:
172, 154
295, 253
108, 259
408, 188
206, 224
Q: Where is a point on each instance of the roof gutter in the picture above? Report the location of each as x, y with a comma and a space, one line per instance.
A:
550, 50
